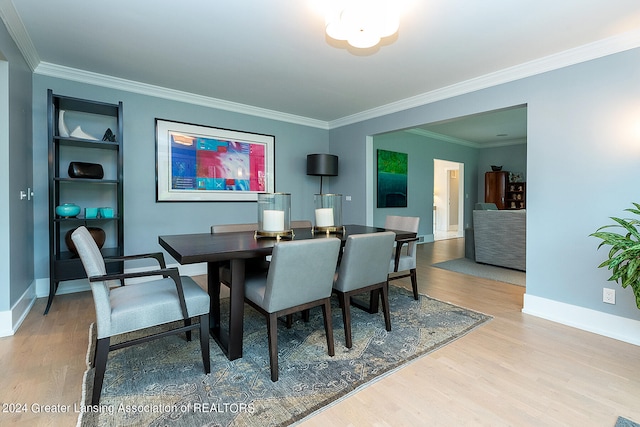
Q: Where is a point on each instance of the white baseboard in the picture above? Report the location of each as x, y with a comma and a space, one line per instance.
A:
10, 320
608, 325
426, 238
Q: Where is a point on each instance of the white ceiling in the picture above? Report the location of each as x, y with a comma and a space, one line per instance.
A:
273, 54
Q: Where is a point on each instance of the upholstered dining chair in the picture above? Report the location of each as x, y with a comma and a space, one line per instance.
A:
252, 264
301, 223
364, 268
131, 307
404, 259
300, 277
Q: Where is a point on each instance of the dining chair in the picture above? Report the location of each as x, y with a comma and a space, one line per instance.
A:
252, 264
364, 268
300, 277
301, 223
122, 308
404, 259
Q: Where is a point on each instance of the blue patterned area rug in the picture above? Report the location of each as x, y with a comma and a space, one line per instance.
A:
162, 383
624, 422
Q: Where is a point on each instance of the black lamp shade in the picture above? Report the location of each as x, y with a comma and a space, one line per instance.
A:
322, 164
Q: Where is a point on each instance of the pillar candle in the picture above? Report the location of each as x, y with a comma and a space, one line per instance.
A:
324, 217
273, 220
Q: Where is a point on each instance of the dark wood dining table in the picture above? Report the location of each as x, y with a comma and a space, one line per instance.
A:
236, 247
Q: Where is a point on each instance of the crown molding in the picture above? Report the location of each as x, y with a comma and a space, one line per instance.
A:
81, 76
459, 141
18, 33
598, 49
443, 138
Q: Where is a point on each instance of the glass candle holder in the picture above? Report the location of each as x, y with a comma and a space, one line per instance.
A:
328, 213
274, 215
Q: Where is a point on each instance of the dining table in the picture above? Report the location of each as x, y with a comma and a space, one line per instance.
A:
235, 248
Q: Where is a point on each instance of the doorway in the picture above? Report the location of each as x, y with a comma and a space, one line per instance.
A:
448, 200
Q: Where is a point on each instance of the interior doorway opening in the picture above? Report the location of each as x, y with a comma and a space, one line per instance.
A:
448, 199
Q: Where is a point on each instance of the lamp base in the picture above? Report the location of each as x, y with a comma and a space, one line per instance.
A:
328, 230
286, 234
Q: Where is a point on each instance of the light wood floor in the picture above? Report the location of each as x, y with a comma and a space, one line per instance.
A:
517, 370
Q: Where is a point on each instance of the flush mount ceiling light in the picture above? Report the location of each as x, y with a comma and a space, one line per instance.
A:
362, 23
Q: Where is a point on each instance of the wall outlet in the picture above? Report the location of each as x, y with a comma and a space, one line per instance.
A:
609, 295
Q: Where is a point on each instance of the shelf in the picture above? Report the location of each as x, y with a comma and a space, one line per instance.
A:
86, 143
70, 256
82, 219
89, 116
86, 180
85, 106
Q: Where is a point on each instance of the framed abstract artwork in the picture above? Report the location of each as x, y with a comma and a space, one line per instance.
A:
392, 179
202, 163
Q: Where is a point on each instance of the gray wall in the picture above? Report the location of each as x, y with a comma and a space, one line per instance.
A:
16, 216
144, 218
582, 167
512, 158
582, 158
421, 152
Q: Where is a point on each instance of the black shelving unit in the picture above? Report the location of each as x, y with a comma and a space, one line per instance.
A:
105, 192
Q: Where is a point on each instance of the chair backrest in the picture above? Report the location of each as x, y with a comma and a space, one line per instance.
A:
229, 228
300, 271
94, 265
404, 223
365, 260
303, 223
486, 207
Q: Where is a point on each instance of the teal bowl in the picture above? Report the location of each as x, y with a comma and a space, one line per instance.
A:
68, 210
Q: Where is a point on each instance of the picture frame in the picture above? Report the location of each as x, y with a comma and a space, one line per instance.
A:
392, 173
196, 163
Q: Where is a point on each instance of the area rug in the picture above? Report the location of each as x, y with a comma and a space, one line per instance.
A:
162, 382
472, 268
625, 422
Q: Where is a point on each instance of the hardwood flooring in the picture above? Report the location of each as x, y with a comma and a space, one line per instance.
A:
516, 370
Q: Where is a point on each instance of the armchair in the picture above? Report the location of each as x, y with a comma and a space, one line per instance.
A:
405, 257
128, 308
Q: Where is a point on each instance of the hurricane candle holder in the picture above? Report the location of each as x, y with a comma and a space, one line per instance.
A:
274, 215
328, 213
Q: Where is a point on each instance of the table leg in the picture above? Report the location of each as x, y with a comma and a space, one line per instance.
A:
230, 341
374, 302
213, 288
236, 309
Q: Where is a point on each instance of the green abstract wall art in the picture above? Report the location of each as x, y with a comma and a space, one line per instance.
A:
392, 179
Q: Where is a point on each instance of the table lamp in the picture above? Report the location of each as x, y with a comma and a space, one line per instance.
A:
322, 165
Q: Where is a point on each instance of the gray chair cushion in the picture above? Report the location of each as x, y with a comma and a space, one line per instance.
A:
154, 303
408, 256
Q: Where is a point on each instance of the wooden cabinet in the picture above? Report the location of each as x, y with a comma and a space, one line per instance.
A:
77, 132
516, 195
505, 194
495, 188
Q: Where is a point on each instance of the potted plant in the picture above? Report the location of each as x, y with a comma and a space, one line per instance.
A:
624, 255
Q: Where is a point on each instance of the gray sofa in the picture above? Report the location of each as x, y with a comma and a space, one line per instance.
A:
500, 237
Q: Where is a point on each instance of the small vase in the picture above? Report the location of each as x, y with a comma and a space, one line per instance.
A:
63, 131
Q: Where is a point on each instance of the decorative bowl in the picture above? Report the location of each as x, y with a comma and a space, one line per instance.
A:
98, 235
68, 210
496, 168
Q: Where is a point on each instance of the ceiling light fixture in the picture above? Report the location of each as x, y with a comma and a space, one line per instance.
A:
362, 23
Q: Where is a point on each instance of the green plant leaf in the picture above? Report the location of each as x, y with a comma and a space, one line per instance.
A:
623, 258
